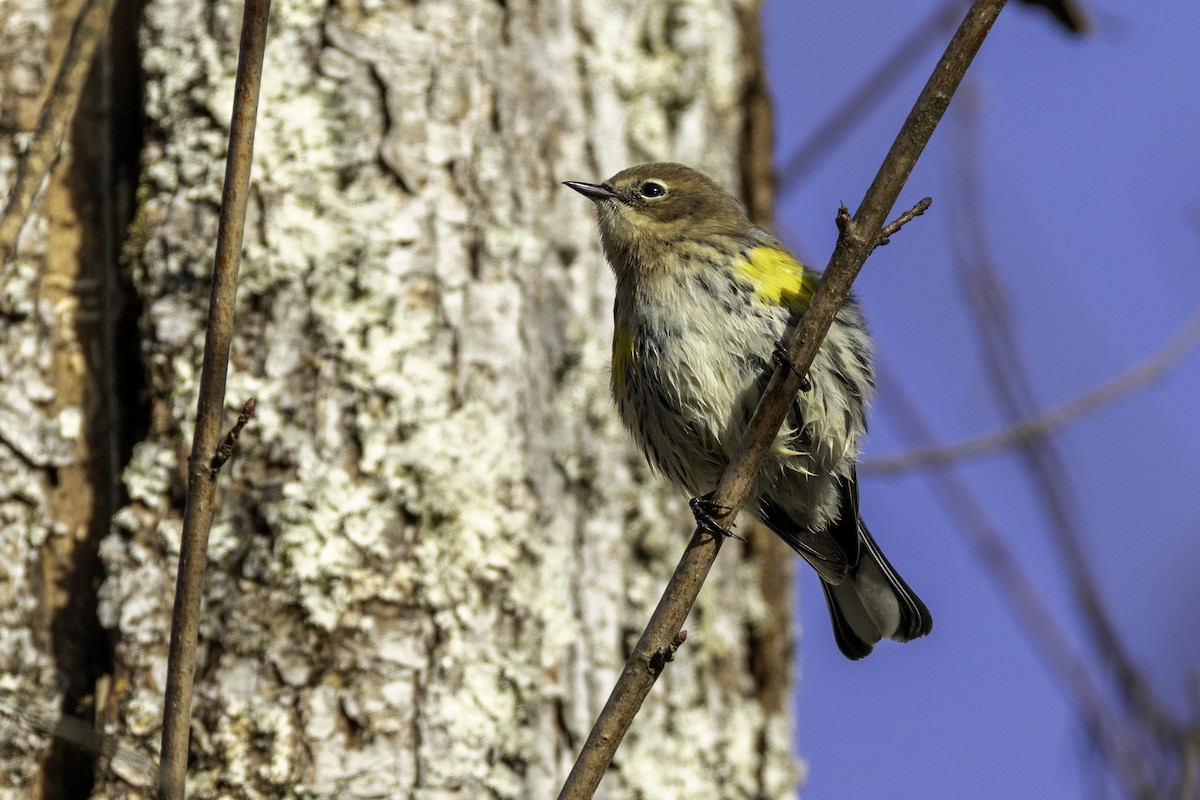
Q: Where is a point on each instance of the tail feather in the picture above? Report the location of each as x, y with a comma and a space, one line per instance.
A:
874, 603
867, 598
856, 639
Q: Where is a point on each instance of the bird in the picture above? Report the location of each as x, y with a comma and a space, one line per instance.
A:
704, 297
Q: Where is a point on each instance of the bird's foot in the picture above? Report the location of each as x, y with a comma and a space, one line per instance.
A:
704, 510
780, 357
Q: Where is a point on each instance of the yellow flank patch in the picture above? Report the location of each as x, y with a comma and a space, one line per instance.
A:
777, 277
622, 356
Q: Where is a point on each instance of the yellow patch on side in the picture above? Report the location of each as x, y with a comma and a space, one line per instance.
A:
777, 277
622, 356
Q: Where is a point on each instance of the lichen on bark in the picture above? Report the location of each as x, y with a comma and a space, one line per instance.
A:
434, 545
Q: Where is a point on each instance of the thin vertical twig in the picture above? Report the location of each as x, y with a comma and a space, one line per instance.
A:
185, 621
859, 238
54, 121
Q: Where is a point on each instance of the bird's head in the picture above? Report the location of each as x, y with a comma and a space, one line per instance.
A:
648, 212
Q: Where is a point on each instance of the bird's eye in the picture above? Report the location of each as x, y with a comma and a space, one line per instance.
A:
653, 189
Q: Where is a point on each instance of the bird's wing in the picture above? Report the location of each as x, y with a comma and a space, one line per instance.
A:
777, 276
845, 530
820, 548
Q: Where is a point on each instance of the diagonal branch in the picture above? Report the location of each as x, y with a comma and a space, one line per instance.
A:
53, 122
135, 768
858, 239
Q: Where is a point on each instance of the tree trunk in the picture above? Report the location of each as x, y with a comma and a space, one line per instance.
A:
434, 546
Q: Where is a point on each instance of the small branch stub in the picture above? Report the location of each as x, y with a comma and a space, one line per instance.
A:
226, 449
659, 660
905, 218
842, 220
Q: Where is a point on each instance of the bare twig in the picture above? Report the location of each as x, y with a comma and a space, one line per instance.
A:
858, 240
893, 227
185, 621
1142, 375
54, 121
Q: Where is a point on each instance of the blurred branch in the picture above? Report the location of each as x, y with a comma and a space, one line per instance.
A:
185, 621
1020, 595
133, 767
1069, 14
52, 125
1045, 466
888, 74
866, 98
1137, 378
859, 238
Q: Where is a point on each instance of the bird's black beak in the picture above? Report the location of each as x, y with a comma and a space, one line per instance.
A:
592, 191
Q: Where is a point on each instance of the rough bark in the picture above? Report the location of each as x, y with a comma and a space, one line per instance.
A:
31, 443
63, 433
434, 544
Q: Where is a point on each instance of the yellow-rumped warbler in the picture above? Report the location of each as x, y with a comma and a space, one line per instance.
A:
703, 299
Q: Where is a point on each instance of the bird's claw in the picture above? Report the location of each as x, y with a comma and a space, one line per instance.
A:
704, 510
780, 357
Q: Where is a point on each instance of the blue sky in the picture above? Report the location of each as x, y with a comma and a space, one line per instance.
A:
1090, 182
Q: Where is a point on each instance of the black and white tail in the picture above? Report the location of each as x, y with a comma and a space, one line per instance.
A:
873, 603
867, 598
